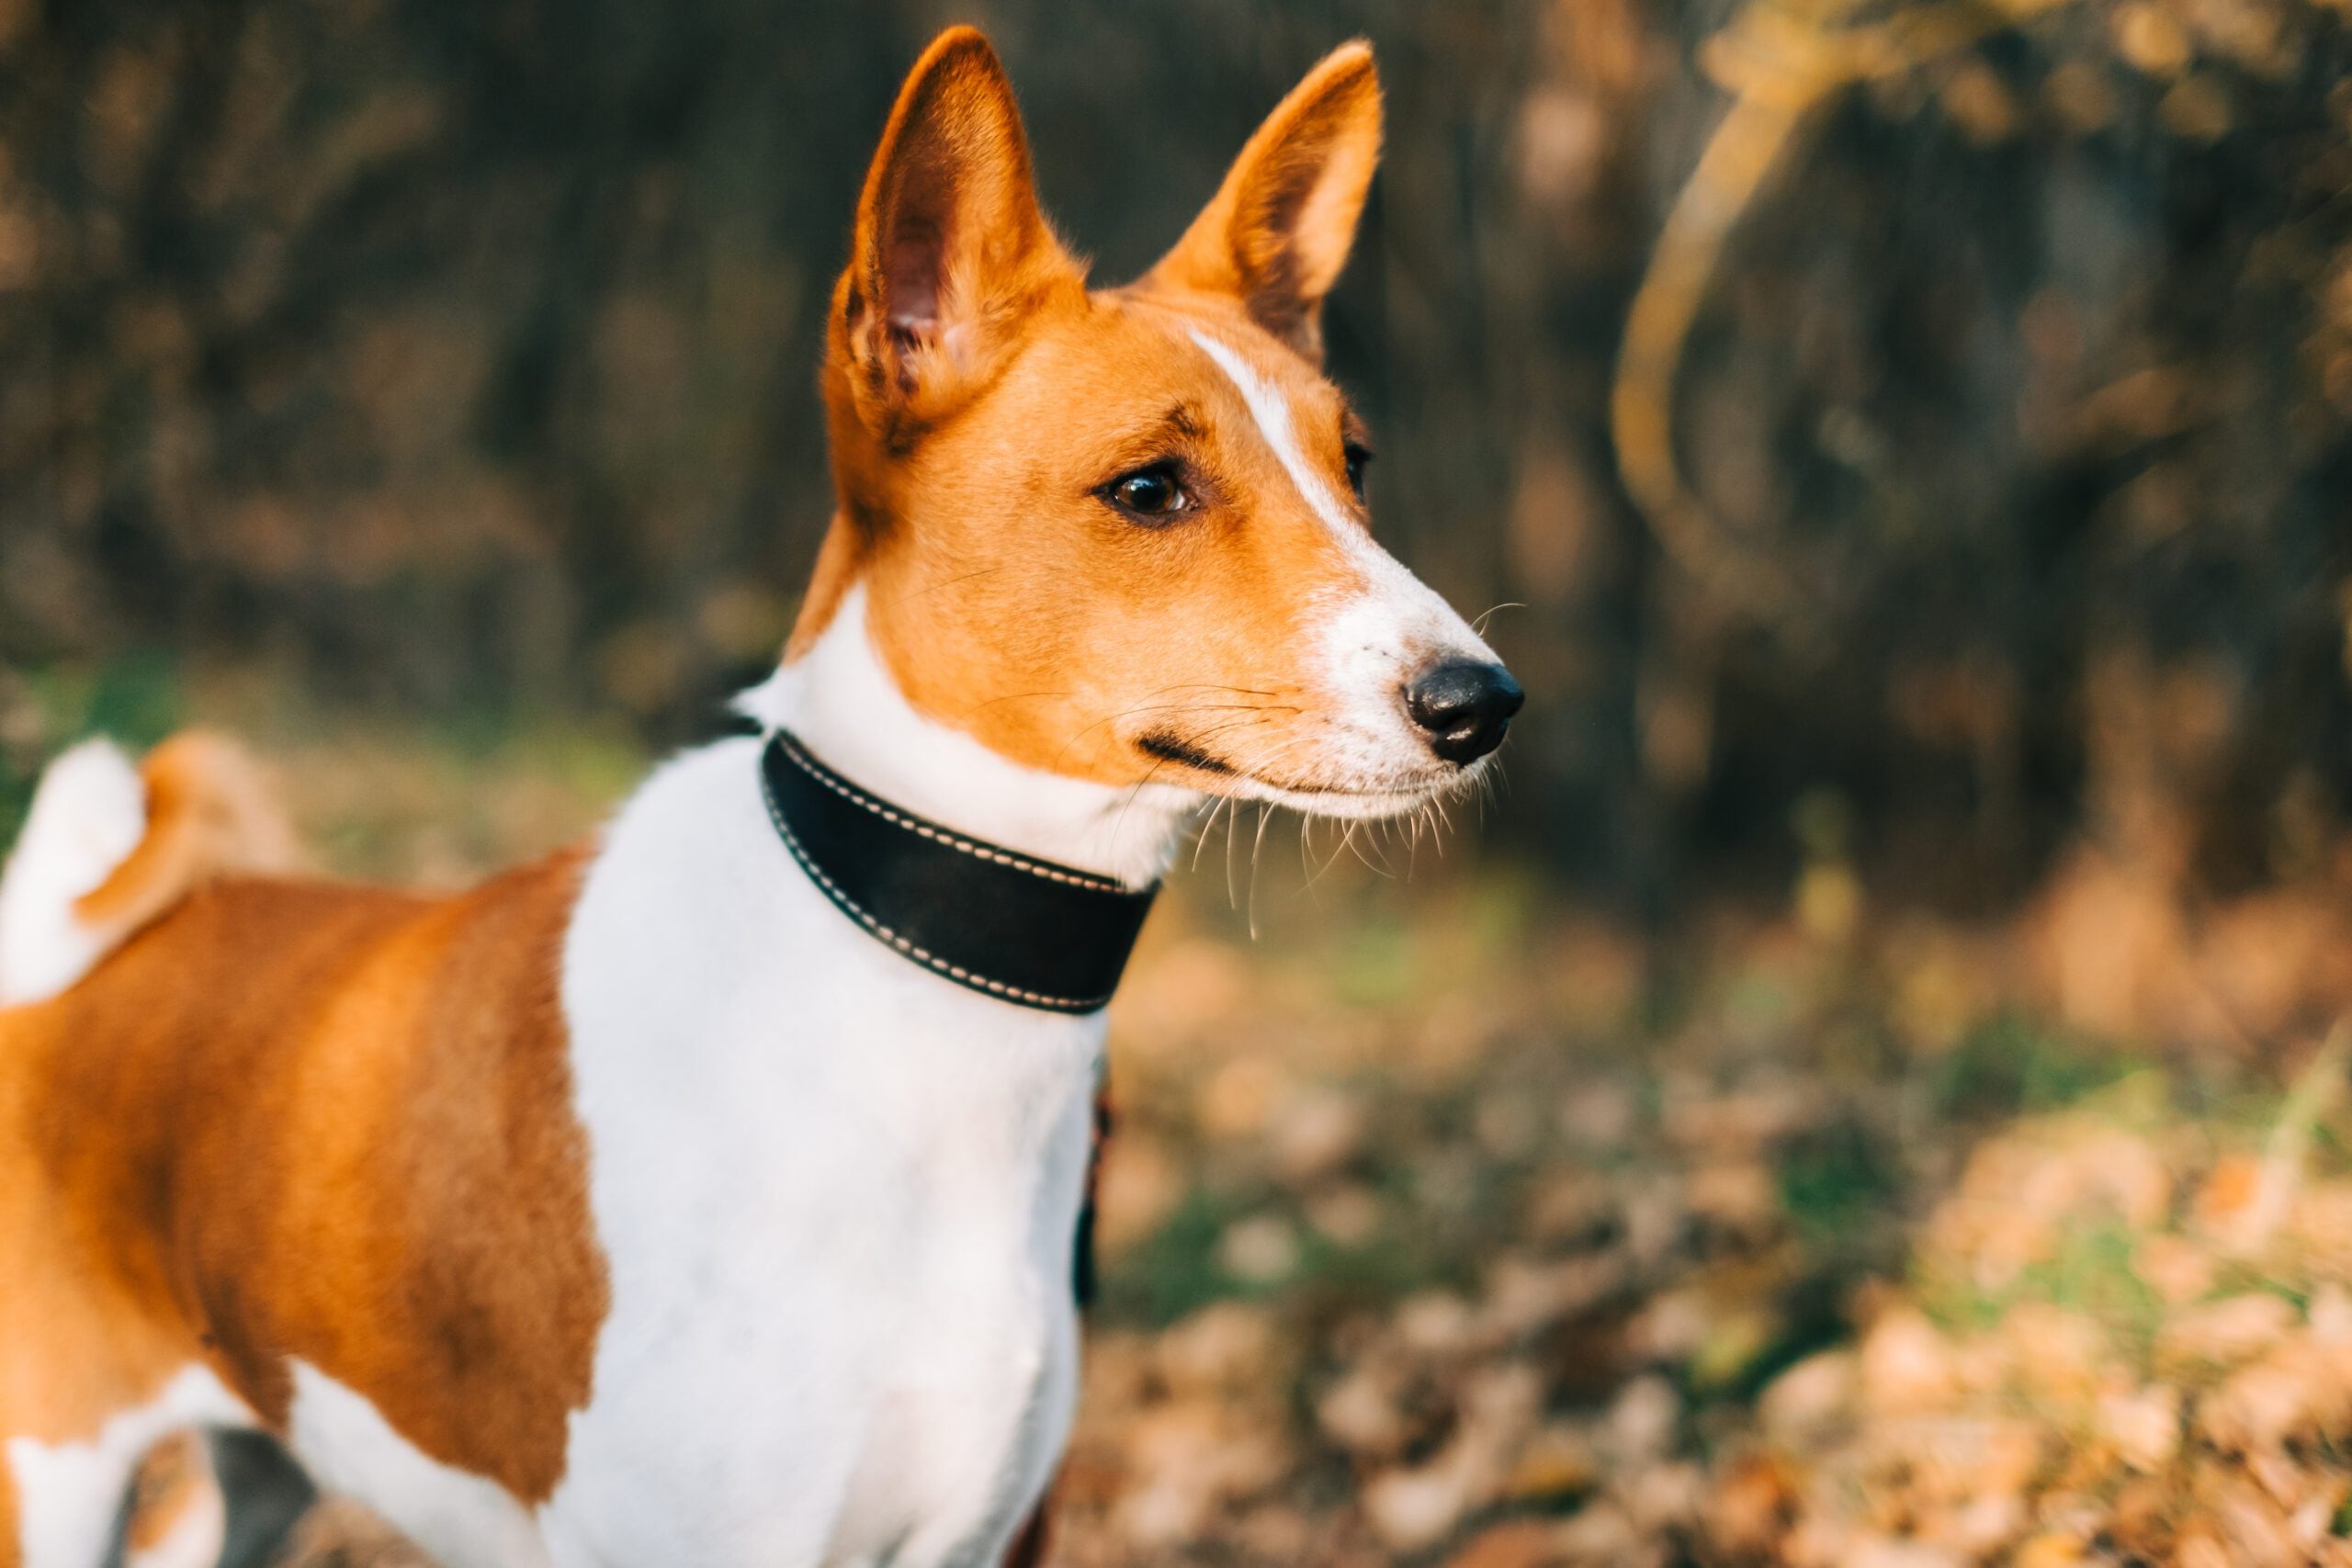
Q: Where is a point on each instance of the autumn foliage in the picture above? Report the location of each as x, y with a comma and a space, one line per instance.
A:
1868, 1093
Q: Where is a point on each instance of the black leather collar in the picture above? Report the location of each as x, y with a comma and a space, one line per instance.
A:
1020, 928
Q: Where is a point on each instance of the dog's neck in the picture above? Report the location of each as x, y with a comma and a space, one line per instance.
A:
841, 700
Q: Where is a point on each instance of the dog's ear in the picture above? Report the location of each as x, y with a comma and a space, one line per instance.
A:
950, 247
1278, 230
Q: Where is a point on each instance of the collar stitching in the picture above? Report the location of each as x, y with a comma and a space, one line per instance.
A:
851, 907
849, 792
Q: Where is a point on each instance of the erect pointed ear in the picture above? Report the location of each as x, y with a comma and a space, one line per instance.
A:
950, 249
1278, 230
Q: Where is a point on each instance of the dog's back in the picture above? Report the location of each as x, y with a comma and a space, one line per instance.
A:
274, 1130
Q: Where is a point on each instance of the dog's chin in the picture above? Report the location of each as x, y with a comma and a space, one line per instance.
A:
1354, 782
1364, 799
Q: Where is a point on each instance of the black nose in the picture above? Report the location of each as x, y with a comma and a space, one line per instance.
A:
1466, 707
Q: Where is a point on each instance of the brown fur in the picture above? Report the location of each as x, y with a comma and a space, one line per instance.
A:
1006, 597
288, 1121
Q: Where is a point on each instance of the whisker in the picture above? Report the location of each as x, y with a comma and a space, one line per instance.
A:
1478, 627
1257, 850
1232, 897
1333, 858
1201, 838
911, 597
1176, 707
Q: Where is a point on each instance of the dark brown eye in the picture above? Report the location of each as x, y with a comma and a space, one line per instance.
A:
1359, 458
1149, 492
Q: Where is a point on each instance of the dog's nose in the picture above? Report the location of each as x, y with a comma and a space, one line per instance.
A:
1463, 706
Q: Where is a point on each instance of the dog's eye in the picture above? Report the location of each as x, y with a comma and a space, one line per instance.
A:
1149, 492
1359, 458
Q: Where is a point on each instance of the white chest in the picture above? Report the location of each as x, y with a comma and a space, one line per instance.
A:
837, 1196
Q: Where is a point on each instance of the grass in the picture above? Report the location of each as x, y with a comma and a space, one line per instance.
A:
375, 795
2013, 1063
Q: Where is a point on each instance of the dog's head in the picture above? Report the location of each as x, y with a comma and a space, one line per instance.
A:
1121, 534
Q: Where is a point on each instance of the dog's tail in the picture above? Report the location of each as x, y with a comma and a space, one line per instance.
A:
108, 847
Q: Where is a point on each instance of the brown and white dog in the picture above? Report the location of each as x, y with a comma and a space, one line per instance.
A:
638, 1206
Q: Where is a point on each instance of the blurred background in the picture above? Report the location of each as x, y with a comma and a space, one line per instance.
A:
1862, 1093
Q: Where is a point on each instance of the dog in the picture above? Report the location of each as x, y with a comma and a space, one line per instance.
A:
706, 1193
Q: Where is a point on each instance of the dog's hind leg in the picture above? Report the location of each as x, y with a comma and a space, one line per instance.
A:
218, 1499
97, 1362
63, 1490
176, 1514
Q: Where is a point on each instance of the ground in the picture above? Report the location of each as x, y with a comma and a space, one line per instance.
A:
1448, 1224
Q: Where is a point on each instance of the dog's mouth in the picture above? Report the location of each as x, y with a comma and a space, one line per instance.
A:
1170, 747
1365, 796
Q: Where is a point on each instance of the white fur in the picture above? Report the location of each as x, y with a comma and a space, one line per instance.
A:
88, 815
462, 1521
837, 1193
1272, 415
68, 1494
1372, 639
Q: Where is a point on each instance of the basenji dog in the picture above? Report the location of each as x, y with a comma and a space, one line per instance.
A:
706, 1193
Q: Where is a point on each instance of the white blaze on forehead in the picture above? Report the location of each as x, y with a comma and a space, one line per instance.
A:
1271, 412
1397, 607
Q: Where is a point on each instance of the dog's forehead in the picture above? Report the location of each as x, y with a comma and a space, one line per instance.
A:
1133, 352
